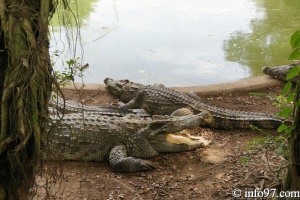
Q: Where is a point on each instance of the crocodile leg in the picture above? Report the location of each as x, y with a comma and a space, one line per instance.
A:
121, 163
136, 102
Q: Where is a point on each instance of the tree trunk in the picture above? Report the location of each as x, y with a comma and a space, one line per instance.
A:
292, 180
25, 88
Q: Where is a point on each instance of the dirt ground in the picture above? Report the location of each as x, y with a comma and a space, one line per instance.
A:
207, 173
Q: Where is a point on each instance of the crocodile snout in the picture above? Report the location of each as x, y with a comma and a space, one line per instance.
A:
106, 80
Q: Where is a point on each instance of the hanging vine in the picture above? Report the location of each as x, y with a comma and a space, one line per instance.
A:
26, 83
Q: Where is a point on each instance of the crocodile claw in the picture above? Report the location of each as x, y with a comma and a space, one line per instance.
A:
146, 165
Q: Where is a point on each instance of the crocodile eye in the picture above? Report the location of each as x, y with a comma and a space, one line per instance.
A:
124, 82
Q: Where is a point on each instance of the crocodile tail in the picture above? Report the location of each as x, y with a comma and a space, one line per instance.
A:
230, 119
225, 122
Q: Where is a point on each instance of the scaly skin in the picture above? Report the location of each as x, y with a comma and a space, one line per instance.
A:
122, 140
164, 101
68, 106
280, 72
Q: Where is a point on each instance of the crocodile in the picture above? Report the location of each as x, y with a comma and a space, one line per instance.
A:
161, 100
124, 141
69, 106
280, 72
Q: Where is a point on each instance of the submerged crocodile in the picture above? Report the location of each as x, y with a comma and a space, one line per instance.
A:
160, 100
121, 140
69, 106
280, 72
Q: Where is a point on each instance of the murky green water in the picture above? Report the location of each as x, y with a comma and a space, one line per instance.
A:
176, 42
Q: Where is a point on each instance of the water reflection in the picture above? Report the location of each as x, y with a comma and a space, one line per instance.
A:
80, 8
267, 44
179, 42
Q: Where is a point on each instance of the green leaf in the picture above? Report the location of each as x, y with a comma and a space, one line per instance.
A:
292, 73
295, 55
290, 129
286, 112
291, 97
297, 103
295, 40
286, 88
281, 128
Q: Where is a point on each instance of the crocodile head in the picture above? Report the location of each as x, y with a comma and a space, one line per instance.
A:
173, 135
116, 86
125, 90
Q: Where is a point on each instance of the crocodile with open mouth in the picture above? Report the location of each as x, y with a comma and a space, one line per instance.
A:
124, 141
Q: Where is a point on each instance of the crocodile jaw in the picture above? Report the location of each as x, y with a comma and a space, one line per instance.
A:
181, 123
177, 142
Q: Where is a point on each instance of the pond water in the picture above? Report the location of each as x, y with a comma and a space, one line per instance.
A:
176, 42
